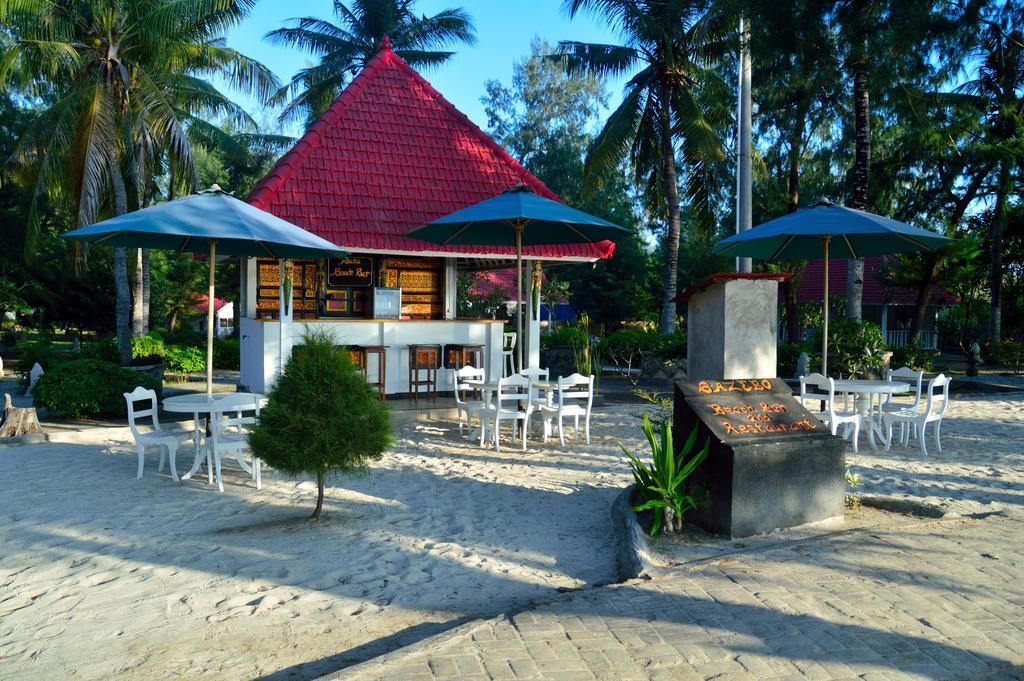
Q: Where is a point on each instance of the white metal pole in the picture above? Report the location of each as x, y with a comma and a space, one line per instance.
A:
744, 177
519, 294
824, 331
209, 321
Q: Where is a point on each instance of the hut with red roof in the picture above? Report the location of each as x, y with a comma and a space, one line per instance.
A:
389, 155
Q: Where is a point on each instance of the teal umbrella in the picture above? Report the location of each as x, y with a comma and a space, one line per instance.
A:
829, 231
210, 222
518, 217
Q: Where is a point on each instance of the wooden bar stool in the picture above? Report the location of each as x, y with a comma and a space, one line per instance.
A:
458, 356
381, 353
424, 358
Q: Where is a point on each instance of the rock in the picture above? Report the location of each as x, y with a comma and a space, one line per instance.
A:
33, 376
803, 364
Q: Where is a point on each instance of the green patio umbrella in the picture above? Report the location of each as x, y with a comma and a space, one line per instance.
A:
829, 231
210, 222
518, 217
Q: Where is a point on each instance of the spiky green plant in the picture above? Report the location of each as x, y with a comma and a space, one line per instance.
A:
661, 486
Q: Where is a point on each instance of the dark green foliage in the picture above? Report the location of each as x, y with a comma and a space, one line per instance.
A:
854, 347
85, 388
184, 359
571, 335
42, 352
661, 486
912, 355
148, 349
226, 353
321, 416
787, 355
1007, 353
104, 349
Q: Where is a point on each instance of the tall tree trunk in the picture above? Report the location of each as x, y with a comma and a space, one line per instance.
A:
137, 296
791, 286
995, 316
123, 294
861, 177
146, 290
319, 496
668, 160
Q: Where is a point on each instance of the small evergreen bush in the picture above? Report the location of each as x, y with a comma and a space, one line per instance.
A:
1007, 352
148, 349
104, 349
85, 388
227, 353
788, 355
912, 355
184, 359
854, 347
321, 416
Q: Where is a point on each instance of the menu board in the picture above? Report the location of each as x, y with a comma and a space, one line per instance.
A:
304, 289
343, 273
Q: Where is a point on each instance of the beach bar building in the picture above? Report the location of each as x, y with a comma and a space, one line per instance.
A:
389, 155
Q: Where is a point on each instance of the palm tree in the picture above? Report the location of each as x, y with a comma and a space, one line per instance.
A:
344, 48
125, 92
998, 92
671, 101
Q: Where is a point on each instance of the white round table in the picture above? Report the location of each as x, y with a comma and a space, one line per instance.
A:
196, 404
864, 392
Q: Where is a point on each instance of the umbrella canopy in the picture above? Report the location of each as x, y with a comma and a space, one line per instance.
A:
830, 232
518, 217
190, 223
211, 222
852, 234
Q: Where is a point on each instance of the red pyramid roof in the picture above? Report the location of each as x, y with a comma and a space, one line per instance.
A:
390, 155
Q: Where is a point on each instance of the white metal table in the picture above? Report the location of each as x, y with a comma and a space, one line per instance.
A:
864, 392
196, 404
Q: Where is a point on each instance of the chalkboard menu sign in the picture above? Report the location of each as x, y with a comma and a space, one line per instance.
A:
349, 272
749, 409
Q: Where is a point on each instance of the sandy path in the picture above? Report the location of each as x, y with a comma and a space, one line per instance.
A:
103, 576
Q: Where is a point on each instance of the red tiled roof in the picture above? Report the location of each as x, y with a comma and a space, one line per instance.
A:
811, 285
388, 156
199, 303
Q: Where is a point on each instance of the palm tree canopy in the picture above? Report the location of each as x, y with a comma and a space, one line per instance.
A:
670, 48
125, 87
344, 48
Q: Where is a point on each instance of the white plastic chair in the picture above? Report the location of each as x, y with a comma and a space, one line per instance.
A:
165, 439
830, 417
574, 397
508, 354
467, 408
228, 434
916, 379
818, 381
934, 410
513, 401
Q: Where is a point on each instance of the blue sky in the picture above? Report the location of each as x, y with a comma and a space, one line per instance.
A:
504, 31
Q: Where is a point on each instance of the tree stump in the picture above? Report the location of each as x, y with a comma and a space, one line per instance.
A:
18, 420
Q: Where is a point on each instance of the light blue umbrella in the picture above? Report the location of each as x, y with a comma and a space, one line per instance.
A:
209, 222
831, 232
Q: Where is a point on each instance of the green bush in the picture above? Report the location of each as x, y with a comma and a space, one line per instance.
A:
148, 349
671, 346
183, 335
184, 359
571, 335
86, 388
854, 347
661, 487
104, 349
321, 416
912, 355
788, 354
1007, 352
41, 352
623, 347
227, 353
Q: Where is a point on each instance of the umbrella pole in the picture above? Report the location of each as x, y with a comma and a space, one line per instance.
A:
209, 322
824, 333
519, 292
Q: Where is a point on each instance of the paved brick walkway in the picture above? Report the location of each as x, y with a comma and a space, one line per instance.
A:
929, 600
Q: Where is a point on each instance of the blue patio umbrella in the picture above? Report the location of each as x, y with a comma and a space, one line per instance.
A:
829, 231
518, 217
209, 222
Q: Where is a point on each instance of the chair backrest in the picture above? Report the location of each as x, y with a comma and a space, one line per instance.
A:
514, 388
239, 404
508, 341
536, 373
141, 394
815, 381
576, 388
915, 378
932, 407
459, 376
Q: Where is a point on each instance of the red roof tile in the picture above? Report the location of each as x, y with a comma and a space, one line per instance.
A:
388, 156
811, 285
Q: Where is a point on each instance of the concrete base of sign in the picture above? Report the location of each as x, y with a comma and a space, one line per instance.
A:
765, 481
